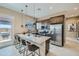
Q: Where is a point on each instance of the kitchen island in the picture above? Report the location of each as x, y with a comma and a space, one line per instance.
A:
41, 41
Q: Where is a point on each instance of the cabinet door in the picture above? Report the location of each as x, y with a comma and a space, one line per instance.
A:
47, 46
56, 20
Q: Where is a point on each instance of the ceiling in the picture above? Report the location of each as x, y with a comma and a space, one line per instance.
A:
39, 10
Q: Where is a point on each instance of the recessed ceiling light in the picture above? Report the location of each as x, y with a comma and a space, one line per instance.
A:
72, 15
26, 5
22, 10
75, 8
39, 9
50, 8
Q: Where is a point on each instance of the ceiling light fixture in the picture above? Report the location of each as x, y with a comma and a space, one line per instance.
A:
26, 5
75, 8
39, 9
72, 15
50, 8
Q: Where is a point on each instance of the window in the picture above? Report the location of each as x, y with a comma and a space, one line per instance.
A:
5, 24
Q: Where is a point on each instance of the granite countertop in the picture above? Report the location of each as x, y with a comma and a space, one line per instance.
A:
38, 39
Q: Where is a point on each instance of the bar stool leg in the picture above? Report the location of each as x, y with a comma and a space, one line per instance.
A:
33, 53
39, 52
26, 51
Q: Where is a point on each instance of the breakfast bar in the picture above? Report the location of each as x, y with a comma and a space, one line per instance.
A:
41, 41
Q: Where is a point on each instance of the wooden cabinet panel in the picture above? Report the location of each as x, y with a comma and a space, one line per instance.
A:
47, 46
58, 19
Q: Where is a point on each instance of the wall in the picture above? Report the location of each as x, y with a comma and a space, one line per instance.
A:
70, 34
16, 19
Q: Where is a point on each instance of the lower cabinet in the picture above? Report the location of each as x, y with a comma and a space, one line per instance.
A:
47, 46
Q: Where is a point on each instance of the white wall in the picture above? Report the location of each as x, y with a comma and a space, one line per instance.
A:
16, 21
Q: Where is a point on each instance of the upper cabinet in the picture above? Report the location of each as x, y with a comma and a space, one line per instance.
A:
44, 21
54, 20
57, 19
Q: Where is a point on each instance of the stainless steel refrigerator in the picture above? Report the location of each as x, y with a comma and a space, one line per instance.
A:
57, 34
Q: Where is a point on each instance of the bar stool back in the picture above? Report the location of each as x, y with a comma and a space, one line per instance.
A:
32, 48
23, 47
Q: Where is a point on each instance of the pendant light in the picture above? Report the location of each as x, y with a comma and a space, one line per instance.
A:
36, 19
35, 23
22, 17
26, 7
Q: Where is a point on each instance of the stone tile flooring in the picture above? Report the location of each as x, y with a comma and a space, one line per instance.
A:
9, 51
71, 48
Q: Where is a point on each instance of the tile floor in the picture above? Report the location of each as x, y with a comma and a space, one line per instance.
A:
71, 48
9, 51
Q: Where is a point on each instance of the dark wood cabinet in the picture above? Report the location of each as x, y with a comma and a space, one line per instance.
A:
57, 19
53, 20
47, 46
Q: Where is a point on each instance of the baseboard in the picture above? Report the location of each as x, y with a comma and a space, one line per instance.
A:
5, 43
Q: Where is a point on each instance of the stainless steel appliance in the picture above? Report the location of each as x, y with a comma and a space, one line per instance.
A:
56, 31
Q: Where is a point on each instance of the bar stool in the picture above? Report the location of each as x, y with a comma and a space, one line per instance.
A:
32, 48
23, 47
20, 45
17, 42
16, 39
